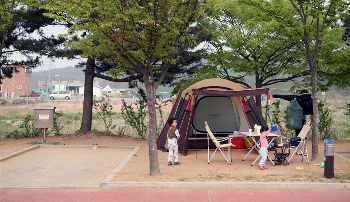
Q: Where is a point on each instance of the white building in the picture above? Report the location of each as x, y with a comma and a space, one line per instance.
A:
107, 90
96, 91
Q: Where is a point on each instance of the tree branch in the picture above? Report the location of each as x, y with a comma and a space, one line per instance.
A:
273, 81
108, 78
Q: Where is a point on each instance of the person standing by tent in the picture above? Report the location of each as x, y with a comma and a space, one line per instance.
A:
263, 149
173, 136
304, 100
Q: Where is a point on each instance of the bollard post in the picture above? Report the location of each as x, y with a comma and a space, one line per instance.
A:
329, 158
44, 135
92, 139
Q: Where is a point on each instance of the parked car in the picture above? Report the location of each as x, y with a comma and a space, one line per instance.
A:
35, 94
60, 95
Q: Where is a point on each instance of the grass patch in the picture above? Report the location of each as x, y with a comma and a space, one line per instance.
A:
219, 177
342, 177
35, 143
312, 177
213, 177
183, 179
250, 177
49, 143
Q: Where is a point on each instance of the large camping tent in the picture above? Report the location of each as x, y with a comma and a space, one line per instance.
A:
225, 105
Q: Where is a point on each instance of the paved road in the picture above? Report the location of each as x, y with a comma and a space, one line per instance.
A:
164, 194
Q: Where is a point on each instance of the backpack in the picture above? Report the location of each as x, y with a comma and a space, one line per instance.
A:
294, 115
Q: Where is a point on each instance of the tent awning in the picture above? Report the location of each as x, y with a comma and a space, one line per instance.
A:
247, 92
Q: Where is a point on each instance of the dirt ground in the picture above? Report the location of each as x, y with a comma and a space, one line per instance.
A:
194, 167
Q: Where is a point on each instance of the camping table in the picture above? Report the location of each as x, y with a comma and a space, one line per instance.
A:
256, 145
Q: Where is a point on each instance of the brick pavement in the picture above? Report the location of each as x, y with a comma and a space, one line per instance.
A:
63, 166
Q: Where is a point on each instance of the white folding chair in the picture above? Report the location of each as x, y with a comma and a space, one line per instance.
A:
301, 147
218, 145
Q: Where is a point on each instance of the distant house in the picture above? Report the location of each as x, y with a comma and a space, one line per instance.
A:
107, 90
19, 85
21, 82
96, 91
75, 86
59, 87
124, 91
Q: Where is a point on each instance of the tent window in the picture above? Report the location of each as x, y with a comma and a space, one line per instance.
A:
220, 112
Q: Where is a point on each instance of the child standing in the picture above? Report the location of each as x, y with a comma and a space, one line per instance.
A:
173, 136
263, 149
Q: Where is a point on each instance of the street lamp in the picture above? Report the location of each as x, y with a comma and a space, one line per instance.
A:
59, 83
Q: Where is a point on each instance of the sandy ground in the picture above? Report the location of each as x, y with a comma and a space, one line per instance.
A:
194, 166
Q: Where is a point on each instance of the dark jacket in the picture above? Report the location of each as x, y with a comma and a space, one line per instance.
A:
304, 100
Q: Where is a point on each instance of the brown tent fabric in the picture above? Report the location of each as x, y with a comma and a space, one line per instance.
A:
248, 92
186, 105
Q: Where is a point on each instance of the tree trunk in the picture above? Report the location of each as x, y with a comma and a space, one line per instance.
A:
88, 96
258, 102
258, 84
153, 153
316, 116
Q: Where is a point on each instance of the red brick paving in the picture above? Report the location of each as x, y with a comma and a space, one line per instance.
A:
166, 194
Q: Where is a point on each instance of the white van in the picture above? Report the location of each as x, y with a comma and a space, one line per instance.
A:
60, 95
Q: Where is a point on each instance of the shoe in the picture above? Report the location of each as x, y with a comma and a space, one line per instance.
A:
169, 164
265, 167
177, 163
261, 167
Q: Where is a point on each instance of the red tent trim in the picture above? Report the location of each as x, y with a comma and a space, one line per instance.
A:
189, 104
245, 106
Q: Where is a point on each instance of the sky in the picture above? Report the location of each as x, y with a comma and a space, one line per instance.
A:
57, 63
62, 63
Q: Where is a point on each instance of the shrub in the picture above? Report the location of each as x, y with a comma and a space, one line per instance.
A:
279, 117
136, 118
26, 129
326, 121
57, 126
104, 110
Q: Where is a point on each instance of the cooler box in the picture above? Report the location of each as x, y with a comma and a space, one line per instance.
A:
238, 141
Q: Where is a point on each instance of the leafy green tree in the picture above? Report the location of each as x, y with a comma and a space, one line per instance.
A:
247, 42
141, 37
18, 20
313, 22
346, 34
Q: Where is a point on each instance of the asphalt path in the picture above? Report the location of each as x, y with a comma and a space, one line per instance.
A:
175, 194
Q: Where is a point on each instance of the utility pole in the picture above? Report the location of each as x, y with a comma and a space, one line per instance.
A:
26, 74
49, 85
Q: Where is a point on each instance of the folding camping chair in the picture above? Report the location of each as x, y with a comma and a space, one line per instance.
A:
218, 145
301, 145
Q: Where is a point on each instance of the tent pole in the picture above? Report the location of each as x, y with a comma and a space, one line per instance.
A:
195, 141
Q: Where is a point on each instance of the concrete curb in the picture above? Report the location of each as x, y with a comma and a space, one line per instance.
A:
52, 187
19, 152
111, 176
273, 185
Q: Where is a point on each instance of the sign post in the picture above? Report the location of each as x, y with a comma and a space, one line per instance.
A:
44, 118
329, 158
